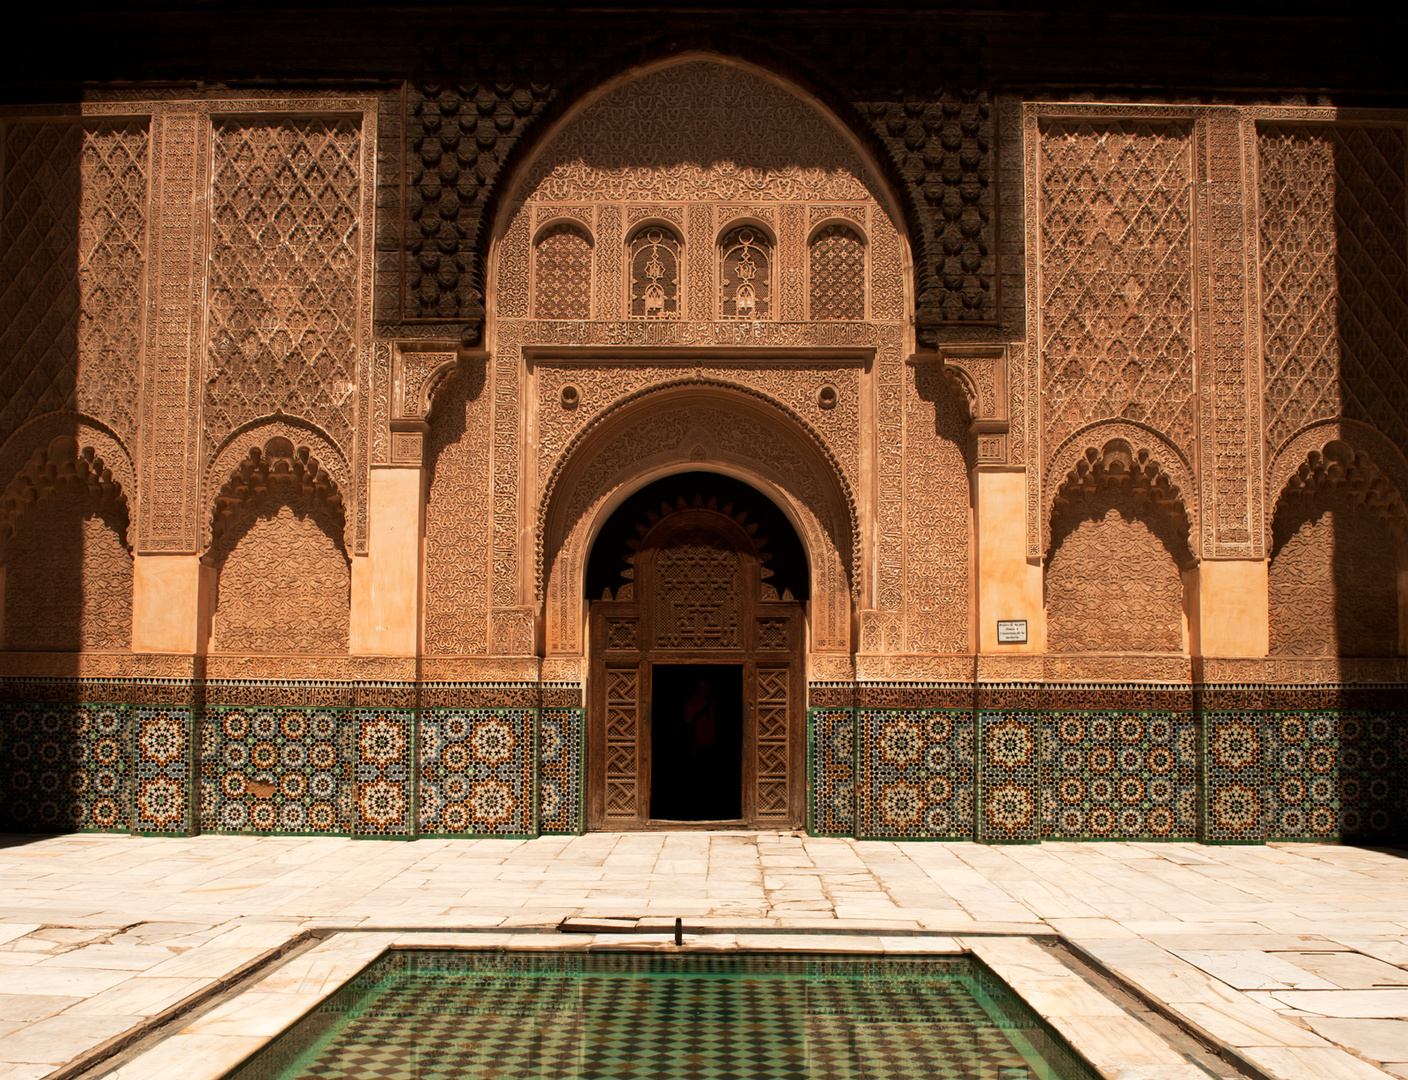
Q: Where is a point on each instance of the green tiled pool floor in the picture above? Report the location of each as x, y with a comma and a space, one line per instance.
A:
420, 1015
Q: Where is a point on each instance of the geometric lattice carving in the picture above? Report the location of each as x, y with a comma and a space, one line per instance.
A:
1116, 283
696, 595
68, 570
837, 274
563, 274
655, 273
622, 698
1338, 542
112, 249
38, 256
745, 274
284, 576
772, 712
1119, 541
1334, 278
284, 270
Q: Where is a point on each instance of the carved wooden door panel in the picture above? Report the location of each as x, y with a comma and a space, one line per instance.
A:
697, 595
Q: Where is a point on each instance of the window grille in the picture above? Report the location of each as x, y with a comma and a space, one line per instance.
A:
746, 277
564, 273
837, 274
655, 274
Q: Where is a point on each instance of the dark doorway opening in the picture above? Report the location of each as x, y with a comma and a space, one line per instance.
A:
696, 739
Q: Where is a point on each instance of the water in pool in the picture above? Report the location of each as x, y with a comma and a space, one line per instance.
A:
430, 1015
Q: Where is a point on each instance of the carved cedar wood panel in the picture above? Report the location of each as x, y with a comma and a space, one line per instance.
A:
72, 262
1116, 276
697, 592
1334, 239
285, 269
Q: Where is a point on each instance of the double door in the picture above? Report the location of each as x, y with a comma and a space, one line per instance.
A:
694, 687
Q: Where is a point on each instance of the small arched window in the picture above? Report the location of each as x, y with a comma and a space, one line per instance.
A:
563, 272
745, 275
655, 273
837, 273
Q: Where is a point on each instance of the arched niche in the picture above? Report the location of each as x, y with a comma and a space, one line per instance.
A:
65, 556
1118, 556
283, 576
1338, 573
694, 427
698, 142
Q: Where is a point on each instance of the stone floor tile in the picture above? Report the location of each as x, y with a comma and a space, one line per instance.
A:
62, 981
1312, 1063
140, 997
1116, 1040
1362, 1004
61, 1038
1349, 970
1382, 1040
1251, 969
29, 1008
197, 1056
253, 1013
14, 1071
1245, 1023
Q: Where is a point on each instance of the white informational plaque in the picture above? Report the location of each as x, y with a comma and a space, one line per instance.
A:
1011, 631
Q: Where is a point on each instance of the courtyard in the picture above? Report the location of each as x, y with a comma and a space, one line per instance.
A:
1292, 958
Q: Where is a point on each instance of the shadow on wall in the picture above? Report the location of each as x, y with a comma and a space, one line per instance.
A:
1371, 328
70, 296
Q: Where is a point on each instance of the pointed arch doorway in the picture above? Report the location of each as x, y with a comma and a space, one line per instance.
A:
695, 681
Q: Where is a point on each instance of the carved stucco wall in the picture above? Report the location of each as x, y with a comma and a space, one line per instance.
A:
1333, 579
1119, 548
1141, 282
284, 269
696, 146
1334, 246
1339, 547
284, 581
466, 116
1116, 276
1113, 581
68, 574
684, 427
938, 520
457, 517
72, 267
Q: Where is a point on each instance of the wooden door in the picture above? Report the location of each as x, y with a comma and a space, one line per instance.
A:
698, 595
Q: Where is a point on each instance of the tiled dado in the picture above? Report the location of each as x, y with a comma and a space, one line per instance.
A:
1006, 763
389, 760
1018, 763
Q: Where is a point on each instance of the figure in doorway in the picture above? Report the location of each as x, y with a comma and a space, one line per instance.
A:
701, 732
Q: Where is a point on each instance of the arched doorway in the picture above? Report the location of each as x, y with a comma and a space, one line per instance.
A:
695, 677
